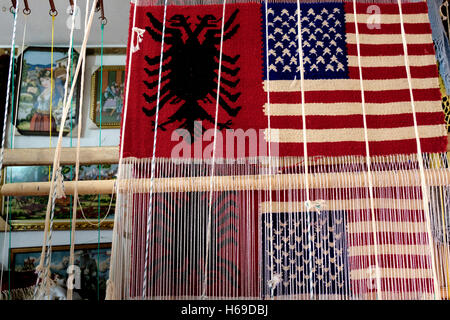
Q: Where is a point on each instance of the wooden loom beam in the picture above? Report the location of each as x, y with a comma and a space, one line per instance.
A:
435, 177
44, 156
110, 155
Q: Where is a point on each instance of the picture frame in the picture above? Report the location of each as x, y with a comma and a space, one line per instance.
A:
92, 259
113, 83
35, 96
27, 213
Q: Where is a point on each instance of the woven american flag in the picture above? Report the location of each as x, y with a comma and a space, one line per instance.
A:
332, 88
402, 245
339, 241
260, 74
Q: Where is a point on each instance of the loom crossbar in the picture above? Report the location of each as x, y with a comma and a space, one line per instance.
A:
45, 156
435, 177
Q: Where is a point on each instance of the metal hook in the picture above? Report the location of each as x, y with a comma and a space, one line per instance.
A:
26, 10
53, 12
13, 7
101, 8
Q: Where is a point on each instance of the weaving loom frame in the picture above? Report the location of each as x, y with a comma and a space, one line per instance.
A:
394, 2
276, 178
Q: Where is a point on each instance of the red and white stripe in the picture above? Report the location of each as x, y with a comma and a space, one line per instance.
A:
402, 241
333, 109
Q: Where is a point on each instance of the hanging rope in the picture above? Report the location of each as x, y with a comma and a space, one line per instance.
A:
211, 186
77, 162
102, 27
51, 90
153, 165
10, 81
110, 286
308, 203
368, 161
47, 262
272, 282
58, 147
69, 75
423, 184
12, 134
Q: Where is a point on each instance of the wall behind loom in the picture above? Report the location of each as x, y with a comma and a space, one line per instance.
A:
38, 33
90, 133
89, 137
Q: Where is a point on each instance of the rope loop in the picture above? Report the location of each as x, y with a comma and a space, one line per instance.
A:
53, 13
12, 10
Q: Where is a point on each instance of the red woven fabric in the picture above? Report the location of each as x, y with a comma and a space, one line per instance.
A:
188, 86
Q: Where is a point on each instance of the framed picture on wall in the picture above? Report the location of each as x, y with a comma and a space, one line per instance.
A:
107, 94
92, 261
39, 106
27, 213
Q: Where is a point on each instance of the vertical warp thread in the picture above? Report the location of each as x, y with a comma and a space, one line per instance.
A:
368, 161
116, 253
419, 156
208, 228
10, 80
149, 212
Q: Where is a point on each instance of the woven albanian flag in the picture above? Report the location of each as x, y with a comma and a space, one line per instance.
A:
252, 79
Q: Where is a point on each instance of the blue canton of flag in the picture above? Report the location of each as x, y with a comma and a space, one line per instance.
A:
308, 254
323, 41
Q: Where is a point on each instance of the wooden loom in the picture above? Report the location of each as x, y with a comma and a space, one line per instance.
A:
15, 157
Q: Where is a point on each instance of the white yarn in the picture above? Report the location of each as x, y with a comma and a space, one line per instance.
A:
77, 164
63, 119
305, 148
114, 250
153, 165
11, 59
271, 265
211, 187
423, 184
368, 161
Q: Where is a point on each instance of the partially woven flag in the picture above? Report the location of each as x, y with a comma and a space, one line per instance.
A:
334, 252
247, 227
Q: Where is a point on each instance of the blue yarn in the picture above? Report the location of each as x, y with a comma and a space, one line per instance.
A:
440, 42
